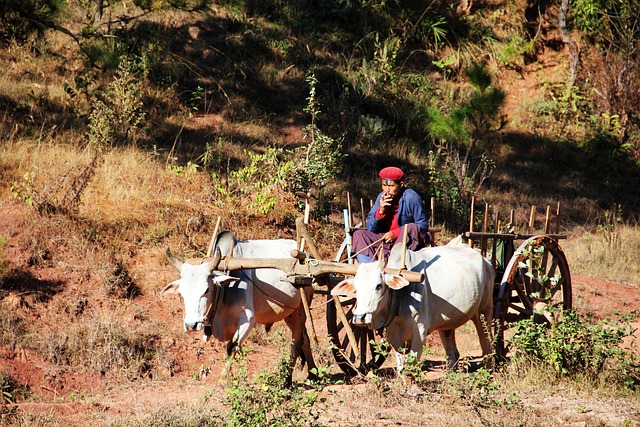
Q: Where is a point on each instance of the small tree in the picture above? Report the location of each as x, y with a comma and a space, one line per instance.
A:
461, 162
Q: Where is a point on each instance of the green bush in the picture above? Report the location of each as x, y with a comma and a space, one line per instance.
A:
268, 402
575, 347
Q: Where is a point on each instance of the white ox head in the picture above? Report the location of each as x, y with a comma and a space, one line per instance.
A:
371, 287
196, 284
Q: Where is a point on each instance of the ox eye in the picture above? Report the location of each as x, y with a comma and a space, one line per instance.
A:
378, 286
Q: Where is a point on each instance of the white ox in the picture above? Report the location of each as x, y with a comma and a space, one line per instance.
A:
457, 287
229, 306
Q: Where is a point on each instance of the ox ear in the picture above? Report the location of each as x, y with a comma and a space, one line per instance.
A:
223, 279
344, 288
171, 288
395, 282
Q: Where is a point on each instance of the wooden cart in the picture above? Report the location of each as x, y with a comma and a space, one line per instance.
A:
531, 280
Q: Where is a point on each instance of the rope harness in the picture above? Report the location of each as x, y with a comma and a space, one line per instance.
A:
218, 293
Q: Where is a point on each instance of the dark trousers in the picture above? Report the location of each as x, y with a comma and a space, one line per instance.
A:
362, 238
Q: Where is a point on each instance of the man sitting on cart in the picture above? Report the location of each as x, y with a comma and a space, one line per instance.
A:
396, 206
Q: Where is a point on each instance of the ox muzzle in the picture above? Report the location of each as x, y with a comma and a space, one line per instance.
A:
362, 319
193, 326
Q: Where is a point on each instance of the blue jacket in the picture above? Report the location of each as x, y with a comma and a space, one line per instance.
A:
410, 210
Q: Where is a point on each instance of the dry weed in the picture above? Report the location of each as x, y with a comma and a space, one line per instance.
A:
611, 253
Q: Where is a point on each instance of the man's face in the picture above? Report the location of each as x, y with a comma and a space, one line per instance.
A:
391, 187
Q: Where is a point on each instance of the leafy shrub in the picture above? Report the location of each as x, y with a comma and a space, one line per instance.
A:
260, 182
461, 162
116, 117
269, 402
20, 19
322, 158
574, 347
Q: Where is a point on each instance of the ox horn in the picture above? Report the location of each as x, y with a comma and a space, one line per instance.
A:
172, 260
216, 260
381, 257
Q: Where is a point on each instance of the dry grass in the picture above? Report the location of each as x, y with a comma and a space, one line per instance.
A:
611, 253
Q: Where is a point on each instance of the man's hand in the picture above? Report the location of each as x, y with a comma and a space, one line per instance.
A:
385, 201
389, 237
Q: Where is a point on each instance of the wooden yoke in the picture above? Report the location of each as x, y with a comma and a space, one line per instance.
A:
308, 267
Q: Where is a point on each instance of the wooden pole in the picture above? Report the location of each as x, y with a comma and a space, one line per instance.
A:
433, 211
512, 219
403, 263
349, 208
546, 220
485, 225
532, 218
473, 201
558, 219
213, 237
364, 221
494, 242
303, 293
347, 327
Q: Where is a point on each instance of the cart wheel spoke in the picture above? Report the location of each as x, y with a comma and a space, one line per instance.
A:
536, 282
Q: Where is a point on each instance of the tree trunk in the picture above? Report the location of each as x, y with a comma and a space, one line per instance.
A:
574, 55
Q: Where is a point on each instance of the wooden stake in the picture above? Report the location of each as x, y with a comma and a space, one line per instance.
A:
558, 219
473, 201
364, 221
303, 294
546, 220
494, 243
349, 207
485, 224
433, 211
403, 262
532, 218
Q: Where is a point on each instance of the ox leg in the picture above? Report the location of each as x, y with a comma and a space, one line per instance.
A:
448, 339
246, 322
483, 327
300, 345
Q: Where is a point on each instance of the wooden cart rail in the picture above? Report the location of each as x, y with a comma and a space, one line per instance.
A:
476, 235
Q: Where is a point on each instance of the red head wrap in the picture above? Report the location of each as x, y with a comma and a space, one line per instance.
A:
393, 173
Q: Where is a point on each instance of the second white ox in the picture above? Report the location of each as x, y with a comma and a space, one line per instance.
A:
229, 306
457, 287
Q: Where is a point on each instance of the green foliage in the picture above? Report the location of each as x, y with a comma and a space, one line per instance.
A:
258, 182
10, 390
322, 158
606, 20
268, 401
575, 347
513, 52
461, 163
448, 191
183, 171
116, 118
19, 19
478, 388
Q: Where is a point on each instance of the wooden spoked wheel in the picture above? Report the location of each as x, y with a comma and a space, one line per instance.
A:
356, 357
536, 282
